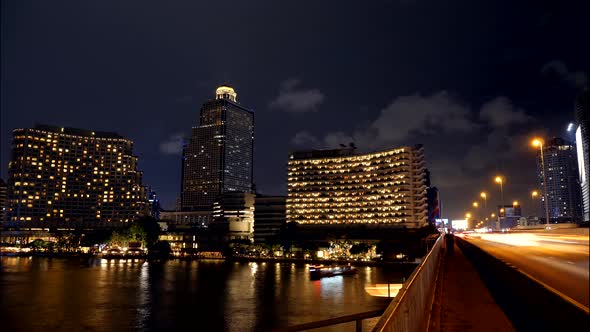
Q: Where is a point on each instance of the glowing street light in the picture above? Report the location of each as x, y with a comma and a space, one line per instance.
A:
537, 142
475, 204
467, 215
493, 215
500, 180
515, 203
534, 194
485, 199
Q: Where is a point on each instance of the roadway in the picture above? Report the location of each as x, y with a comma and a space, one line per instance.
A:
559, 261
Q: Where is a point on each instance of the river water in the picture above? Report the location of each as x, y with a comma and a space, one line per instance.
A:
51, 294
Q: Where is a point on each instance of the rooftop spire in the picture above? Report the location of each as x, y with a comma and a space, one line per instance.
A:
226, 92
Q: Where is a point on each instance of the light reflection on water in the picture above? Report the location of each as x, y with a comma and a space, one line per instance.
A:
134, 295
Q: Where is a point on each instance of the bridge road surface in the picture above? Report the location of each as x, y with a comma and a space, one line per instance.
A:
560, 261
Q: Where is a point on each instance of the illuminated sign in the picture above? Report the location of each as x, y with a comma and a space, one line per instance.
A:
459, 223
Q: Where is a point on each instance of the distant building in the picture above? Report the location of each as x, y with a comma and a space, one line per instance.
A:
2, 199
66, 174
154, 204
233, 216
433, 204
190, 218
269, 218
563, 188
508, 216
340, 187
432, 200
219, 156
582, 147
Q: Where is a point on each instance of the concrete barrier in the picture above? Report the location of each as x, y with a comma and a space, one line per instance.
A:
564, 229
410, 309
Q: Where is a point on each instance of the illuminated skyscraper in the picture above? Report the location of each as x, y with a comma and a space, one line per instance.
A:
219, 156
563, 188
67, 174
582, 147
153, 204
339, 187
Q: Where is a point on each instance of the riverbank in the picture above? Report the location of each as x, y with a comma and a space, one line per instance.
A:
401, 265
411, 265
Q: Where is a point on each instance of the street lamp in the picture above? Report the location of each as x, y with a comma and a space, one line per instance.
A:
475, 204
534, 195
485, 199
500, 180
537, 142
515, 205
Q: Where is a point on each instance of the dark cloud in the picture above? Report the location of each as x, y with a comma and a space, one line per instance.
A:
304, 138
577, 79
172, 145
501, 113
293, 99
408, 116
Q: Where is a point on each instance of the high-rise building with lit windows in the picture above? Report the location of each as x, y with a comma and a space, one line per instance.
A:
563, 187
2, 199
583, 149
73, 175
219, 155
340, 187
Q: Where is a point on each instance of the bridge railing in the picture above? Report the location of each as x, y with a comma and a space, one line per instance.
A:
410, 309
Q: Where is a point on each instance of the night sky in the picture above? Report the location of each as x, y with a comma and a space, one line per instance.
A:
471, 80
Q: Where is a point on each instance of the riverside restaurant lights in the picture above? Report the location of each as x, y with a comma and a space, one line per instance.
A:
341, 187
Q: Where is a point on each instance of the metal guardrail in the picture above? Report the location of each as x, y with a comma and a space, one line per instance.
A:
358, 318
410, 309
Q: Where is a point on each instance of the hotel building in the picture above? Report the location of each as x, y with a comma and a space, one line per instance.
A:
340, 187
73, 175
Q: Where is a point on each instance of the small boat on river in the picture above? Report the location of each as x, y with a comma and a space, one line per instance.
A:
321, 271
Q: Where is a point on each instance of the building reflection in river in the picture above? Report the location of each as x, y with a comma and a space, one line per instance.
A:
108, 295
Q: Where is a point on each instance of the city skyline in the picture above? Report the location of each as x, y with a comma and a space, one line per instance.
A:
406, 165
306, 93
